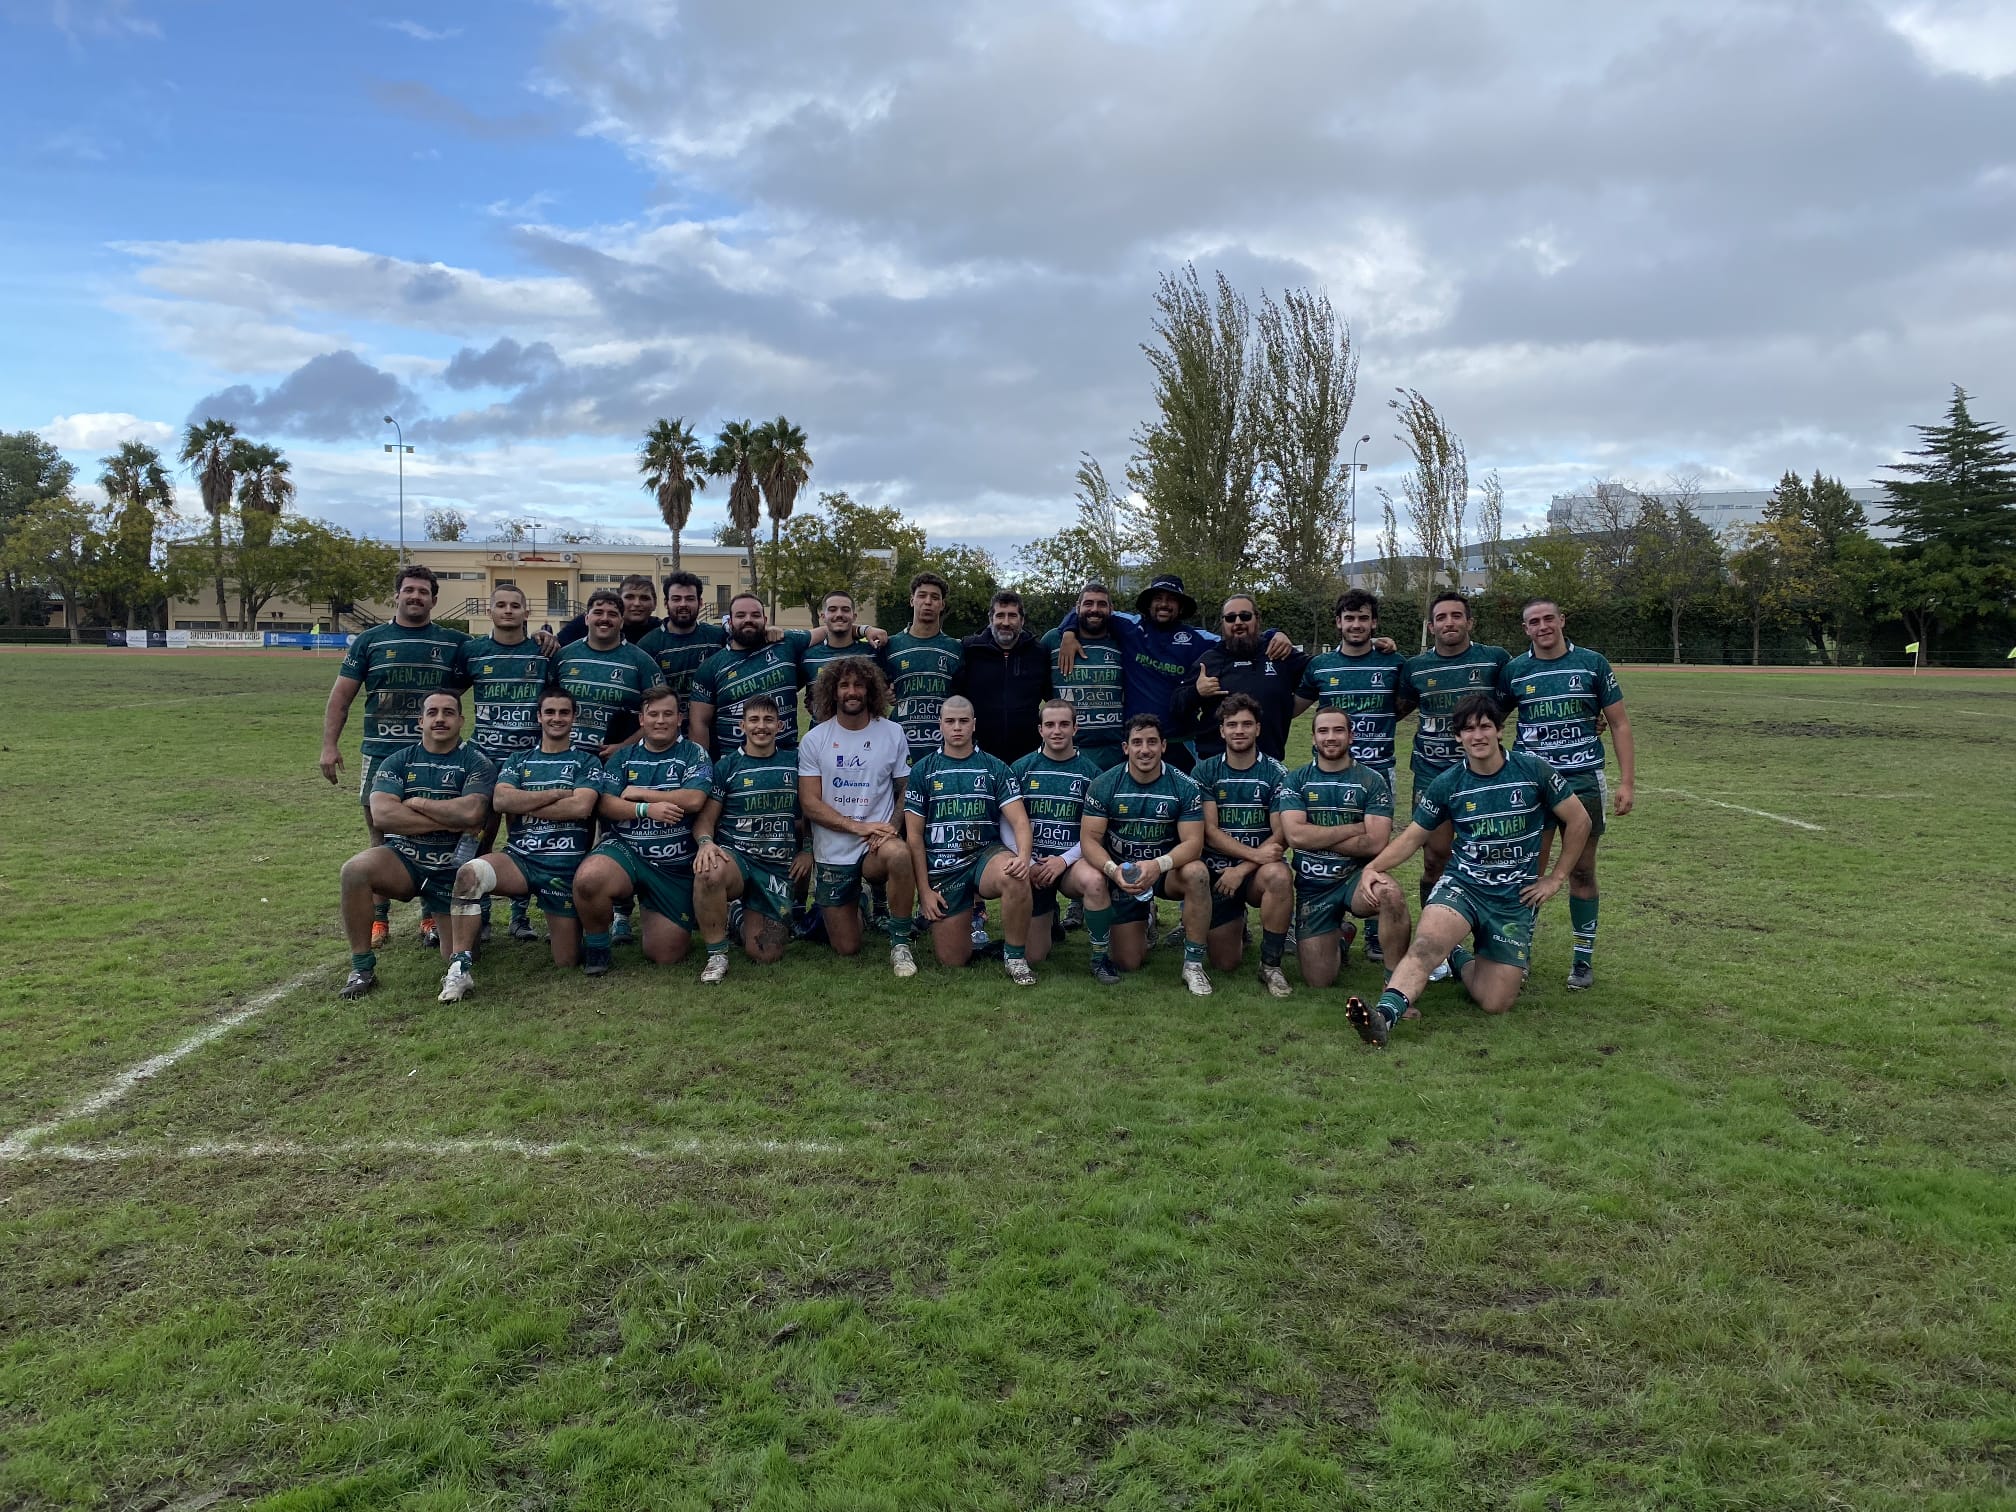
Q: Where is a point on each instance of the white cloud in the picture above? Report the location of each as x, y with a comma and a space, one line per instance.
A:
102, 432
1976, 37
420, 33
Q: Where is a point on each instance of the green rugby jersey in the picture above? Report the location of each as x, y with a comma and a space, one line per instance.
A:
732, 675
669, 847
1095, 687
1351, 796
1499, 820
1368, 689
399, 668
816, 657
1245, 799
759, 806
679, 655
1141, 817
604, 684
920, 669
552, 841
507, 682
960, 799
416, 772
1558, 702
1440, 683
1054, 794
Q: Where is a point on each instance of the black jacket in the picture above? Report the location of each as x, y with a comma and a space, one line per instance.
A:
1272, 683
1007, 688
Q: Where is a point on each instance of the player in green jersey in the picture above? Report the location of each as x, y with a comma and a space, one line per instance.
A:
429, 800
1096, 683
1363, 677
751, 844
1564, 695
1054, 778
1243, 848
396, 664
607, 675
752, 662
1499, 803
1338, 813
651, 792
550, 793
682, 640
1143, 833
920, 662
960, 806
839, 635
505, 672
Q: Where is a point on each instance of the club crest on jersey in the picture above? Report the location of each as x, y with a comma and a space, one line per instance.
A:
1180, 638
1518, 795
1378, 679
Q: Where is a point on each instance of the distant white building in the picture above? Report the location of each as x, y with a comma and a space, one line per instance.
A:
1721, 511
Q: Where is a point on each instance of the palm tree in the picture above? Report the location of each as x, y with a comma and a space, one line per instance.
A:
782, 464
674, 468
735, 459
138, 487
264, 488
206, 451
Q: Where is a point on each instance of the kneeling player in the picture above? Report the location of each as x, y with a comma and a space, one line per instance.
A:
750, 844
959, 804
549, 794
1243, 847
428, 801
1144, 833
1499, 805
1338, 813
651, 792
1054, 780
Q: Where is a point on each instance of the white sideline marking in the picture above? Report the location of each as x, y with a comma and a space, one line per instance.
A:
16, 1145
1818, 829
289, 1149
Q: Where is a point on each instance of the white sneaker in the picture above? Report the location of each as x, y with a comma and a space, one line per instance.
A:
901, 961
458, 984
1440, 973
1019, 972
716, 969
1196, 979
1276, 984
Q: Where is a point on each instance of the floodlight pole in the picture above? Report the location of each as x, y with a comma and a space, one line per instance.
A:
1355, 468
401, 451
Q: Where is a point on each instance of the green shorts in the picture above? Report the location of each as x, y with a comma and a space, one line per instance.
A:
1128, 909
1226, 910
763, 889
662, 892
1501, 929
961, 887
837, 884
1323, 908
434, 887
550, 886
1593, 788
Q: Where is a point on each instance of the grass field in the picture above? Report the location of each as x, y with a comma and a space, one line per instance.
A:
1733, 1230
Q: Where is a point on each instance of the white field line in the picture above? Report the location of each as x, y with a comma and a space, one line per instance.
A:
1831, 793
18, 1144
1818, 829
353, 1149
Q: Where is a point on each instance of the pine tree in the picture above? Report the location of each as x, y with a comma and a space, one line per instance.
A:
1962, 491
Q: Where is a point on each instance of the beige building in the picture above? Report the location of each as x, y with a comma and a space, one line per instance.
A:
556, 581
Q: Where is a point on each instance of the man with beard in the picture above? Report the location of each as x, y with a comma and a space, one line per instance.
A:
607, 676
637, 599
506, 672
1240, 664
1161, 649
1243, 848
748, 845
1093, 678
1006, 672
1055, 778
683, 640
852, 770
751, 663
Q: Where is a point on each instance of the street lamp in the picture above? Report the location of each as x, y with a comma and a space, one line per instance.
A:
1352, 476
402, 451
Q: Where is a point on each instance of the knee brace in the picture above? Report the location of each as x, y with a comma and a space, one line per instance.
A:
476, 881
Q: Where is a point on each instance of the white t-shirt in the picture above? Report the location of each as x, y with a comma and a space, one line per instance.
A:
857, 772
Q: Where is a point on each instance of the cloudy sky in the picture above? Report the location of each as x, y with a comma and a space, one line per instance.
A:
1725, 236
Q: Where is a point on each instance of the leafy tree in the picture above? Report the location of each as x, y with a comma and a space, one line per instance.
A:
59, 541
782, 462
674, 466
31, 470
1679, 559
141, 497
1110, 533
206, 452
336, 568
1306, 380
1756, 577
265, 488
734, 458
1491, 521
1939, 585
445, 524
1434, 494
1824, 558
842, 545
971, 575
1962, 489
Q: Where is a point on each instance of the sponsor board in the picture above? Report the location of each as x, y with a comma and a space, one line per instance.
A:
227, 637
302, 640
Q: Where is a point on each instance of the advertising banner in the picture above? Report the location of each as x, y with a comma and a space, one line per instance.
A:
227, 637
302, 640
178, 640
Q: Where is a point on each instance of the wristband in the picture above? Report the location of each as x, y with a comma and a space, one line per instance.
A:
700, 840
1166, 864
1111, 868
643, 811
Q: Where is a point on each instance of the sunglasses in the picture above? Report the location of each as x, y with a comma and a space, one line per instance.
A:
1239, 617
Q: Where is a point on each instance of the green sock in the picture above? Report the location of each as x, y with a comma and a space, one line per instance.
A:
1582, 919
382, 909
518, 908
1099, 929
1392, 1003
368, 961
466, 959
1193, 952
718, 947
593, 941
1011, 952
1458, 959
1272, 943
900, 929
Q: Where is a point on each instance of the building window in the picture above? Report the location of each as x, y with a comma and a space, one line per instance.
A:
722, 593
556, 597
